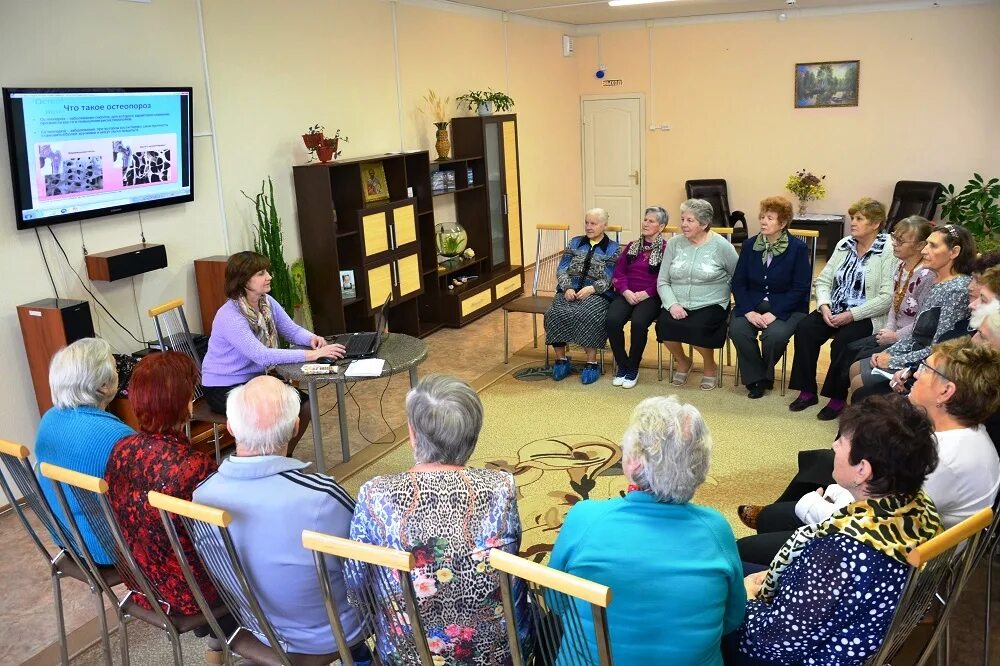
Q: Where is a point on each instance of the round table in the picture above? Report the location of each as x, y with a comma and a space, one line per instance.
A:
399, 351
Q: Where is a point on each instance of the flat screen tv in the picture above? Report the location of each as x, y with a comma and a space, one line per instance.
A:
78, 153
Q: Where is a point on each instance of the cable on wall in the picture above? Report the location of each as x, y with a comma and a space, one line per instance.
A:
506, 51
142, 234
135, 299
46, 261
399, 85
83, 243
652, 92
87, 289
212, 133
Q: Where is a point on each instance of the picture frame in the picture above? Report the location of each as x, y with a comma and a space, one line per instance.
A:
348, 287
827, 84
373, 185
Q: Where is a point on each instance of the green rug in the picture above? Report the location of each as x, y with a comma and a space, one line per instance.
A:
560, 440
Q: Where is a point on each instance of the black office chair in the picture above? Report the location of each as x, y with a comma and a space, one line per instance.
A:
715, 192
913, 197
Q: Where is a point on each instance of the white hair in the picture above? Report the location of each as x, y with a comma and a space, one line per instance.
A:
672, 446
991, 323
83, 374
262, 415
599, 213
446, 416
980, 314
701, 209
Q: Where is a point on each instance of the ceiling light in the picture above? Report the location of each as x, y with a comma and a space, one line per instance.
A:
626, 3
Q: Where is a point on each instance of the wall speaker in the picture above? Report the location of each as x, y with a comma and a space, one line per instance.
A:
126, 262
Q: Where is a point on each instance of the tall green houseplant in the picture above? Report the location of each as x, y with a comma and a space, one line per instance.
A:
268, 241
977, 208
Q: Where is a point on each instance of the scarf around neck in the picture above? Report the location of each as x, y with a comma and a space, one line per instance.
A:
655, 252
891, 525
262, 323
768, 249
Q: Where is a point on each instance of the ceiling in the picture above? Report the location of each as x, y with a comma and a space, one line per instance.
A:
582, 12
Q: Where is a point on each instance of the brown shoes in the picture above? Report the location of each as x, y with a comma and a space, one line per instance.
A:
748, 514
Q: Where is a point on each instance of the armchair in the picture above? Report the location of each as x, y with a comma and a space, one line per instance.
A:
715, 192
913, 197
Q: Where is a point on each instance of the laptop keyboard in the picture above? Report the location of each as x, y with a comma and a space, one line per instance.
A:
360, 343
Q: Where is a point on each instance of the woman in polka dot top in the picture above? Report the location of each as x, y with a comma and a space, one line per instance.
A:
830, 593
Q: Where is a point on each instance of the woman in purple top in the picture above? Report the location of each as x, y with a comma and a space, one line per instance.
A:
244, 340
635, 281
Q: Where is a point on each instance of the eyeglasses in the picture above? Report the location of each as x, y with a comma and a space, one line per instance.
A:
924, 365
899, 241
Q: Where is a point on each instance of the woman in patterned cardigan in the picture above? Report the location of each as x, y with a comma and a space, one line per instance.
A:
583, 294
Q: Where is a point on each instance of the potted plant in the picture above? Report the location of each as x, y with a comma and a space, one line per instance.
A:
437, 108
313, 137
485, 102
977, 208
806, 187
328, 148
268, 241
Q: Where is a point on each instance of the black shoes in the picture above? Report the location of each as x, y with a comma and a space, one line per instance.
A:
827, 414
799, 403
756, 390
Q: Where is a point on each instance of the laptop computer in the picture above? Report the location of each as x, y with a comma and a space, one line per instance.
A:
365, 345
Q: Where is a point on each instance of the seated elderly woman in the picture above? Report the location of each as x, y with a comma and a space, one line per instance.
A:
853, 295
956, 387
637, 301
671, 564
449, 516
583, 294
948, 253
804, 605
771, 289
160, 457
984, 302
693, 285
77, 432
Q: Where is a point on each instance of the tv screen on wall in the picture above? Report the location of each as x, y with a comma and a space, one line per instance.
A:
78, 153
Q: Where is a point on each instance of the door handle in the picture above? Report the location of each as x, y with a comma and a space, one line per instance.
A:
392, 235
635, 175
395, 275
504, 204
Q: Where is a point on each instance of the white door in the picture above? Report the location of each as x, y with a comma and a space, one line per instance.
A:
613, 159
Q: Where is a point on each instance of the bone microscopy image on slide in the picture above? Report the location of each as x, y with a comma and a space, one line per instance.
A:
147, 166
75, 174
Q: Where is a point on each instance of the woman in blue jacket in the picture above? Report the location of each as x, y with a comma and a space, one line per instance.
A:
771, 287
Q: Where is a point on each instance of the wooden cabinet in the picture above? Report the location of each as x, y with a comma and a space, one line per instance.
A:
390, 253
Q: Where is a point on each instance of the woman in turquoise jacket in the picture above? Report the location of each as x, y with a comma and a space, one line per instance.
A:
672, 566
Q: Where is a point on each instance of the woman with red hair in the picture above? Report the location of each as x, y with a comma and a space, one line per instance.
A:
160, 457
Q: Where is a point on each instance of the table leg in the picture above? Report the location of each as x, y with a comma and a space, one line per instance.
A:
413, 376
317, 431
345, 440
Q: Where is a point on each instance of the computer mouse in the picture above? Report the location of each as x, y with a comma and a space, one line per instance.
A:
326, 359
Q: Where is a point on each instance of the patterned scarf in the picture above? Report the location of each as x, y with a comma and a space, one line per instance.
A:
261, 324
888, 524
655, 252
768, 249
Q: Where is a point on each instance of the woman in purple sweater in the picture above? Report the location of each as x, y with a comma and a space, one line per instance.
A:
637, 301
244, 340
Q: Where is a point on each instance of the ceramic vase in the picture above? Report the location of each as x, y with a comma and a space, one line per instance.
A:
443, 145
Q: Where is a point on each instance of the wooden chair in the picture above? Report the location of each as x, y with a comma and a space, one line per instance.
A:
65, 563
90, 493
728, 233
208, 528
556, 603
940, 569
811, 238
380, 588
174, 335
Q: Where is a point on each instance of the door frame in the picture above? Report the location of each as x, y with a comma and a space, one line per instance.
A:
642, 143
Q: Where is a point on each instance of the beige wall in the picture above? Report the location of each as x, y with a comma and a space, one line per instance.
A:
928, 101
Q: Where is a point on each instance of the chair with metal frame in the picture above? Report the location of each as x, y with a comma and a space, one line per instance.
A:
940, 569
173, 334
723, 350
811, 238
380, 588
208, 528
90, 493
66, 563
988, 547
555, 599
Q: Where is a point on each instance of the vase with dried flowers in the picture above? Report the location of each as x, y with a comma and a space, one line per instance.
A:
437, 108
806, 187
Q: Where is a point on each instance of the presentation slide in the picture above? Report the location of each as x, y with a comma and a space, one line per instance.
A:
98, 150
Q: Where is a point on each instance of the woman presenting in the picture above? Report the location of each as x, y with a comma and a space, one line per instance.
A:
244, 340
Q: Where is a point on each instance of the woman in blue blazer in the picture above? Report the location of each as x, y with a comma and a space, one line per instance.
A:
771, 287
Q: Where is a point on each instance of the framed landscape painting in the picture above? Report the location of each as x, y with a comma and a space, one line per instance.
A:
825, 84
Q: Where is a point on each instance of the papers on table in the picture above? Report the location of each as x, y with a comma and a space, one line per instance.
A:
365, 367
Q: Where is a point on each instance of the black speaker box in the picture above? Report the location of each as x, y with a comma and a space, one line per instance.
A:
126, 262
